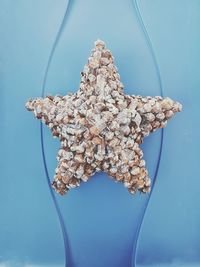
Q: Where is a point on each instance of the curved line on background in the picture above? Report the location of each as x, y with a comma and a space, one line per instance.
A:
62, 224
63, 22
150, 45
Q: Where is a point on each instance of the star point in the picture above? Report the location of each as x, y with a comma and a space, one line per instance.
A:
100, 128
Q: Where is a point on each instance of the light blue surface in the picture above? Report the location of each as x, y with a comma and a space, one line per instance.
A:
100, 217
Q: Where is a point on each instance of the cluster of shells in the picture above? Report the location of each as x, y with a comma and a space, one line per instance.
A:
101, 128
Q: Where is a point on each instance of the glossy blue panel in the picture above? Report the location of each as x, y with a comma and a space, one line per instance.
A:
156, 49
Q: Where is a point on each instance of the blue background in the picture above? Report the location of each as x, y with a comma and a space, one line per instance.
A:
101, 224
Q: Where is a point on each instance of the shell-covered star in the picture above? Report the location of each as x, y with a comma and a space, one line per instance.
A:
100, 128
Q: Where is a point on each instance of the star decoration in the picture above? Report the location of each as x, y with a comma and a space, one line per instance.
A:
100, 128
